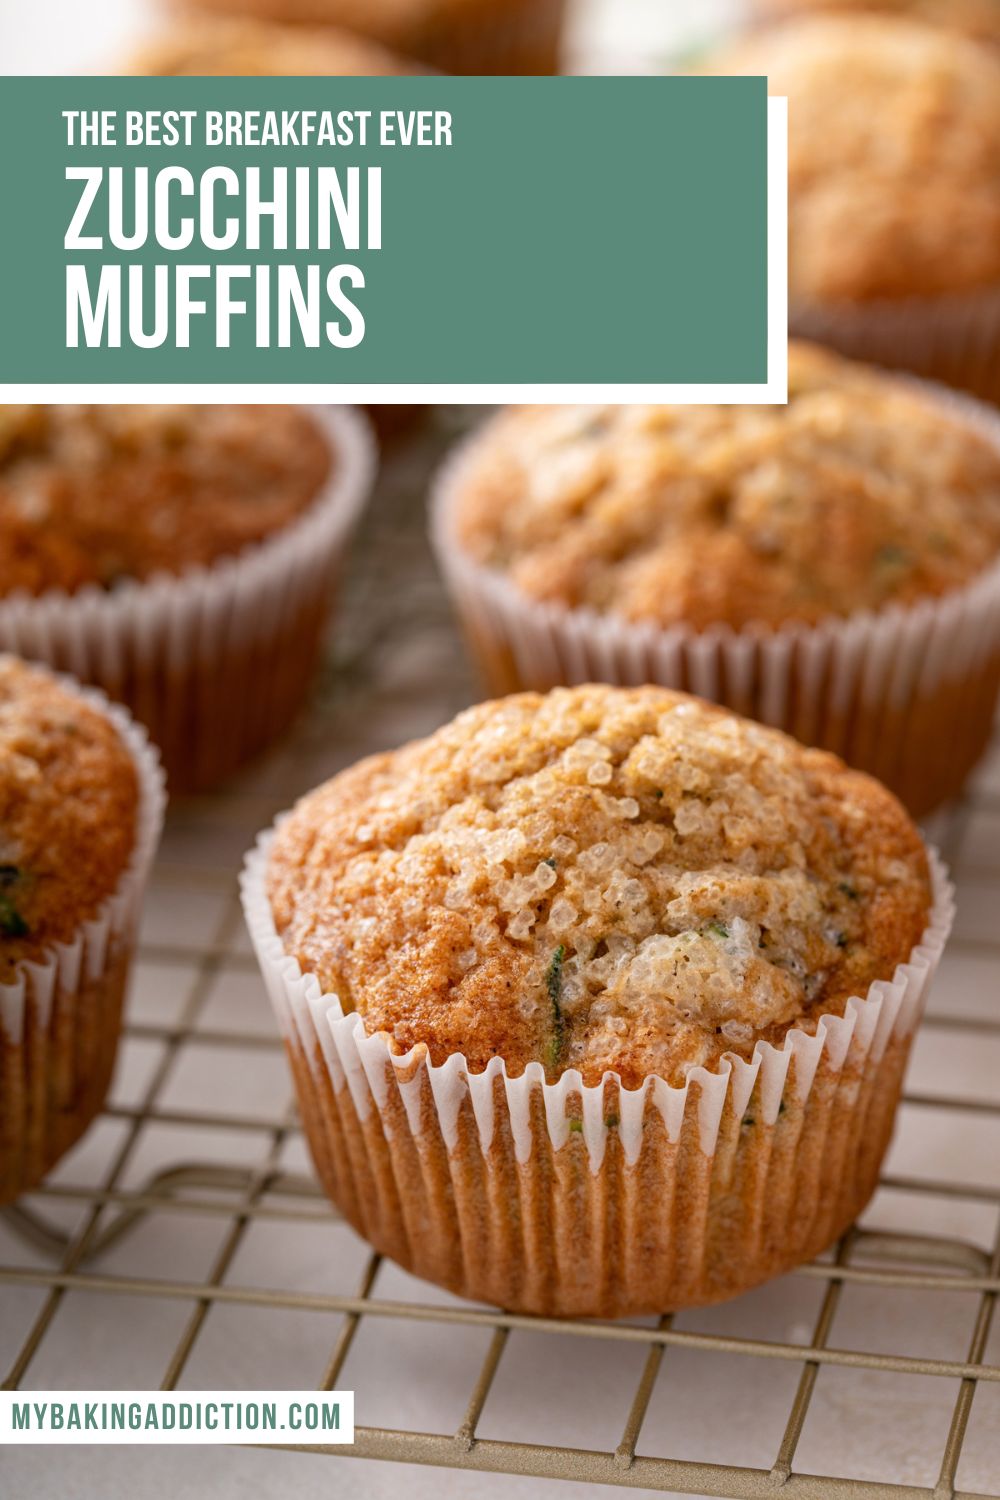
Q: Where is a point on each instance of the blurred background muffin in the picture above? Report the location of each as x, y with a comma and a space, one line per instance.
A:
81, 803
246, 48
829, 566
451, 36
605, 895
978, 18
181, 558
894, 190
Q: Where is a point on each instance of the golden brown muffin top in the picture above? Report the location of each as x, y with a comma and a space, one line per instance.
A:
69, 798
894, 155
598, 878
101, 494
859, 493
978, 18
247, 48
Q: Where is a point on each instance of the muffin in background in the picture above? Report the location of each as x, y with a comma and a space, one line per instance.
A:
241, 47
894, 190
450, 36
975, 18
181, 559
81, 804
831, 567
598, 1003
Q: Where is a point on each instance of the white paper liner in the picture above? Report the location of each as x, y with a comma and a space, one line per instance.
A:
215, 660
906, 693
383, 1098
59, 1017
953, 339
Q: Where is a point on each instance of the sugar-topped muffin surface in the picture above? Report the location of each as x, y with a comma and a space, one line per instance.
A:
69, 798
103, 494
894, 155
598, 878
857, 494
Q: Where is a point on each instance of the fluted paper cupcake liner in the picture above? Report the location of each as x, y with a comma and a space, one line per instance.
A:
953, 339
60, 1017
216, 661
906, 693
564, 1199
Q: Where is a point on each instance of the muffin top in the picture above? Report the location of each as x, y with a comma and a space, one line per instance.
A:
598, 878
102, 494
399, 24
245, 48
859, 493
979, 18
894, 155
69, 797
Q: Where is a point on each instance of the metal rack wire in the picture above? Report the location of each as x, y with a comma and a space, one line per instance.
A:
398, 670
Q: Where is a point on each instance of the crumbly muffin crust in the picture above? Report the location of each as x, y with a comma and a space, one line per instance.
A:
978, 18
598, 878
102, 494
69, 799
858, 494
894, 155
248, 48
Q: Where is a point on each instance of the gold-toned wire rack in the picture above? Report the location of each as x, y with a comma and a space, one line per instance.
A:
398, 670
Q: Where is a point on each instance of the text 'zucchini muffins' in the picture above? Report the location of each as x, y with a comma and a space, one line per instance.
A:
451, 36
831, 567
894, 190
180, 558
81, 803
598, 1002
210, 47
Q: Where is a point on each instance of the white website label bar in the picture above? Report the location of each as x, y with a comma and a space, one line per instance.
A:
310, 1417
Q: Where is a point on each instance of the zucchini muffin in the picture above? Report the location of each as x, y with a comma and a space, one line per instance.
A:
106, 494
894, 190
247, 48
179, 557
717, 548
976, 18
80, 807
451, 36
621, 924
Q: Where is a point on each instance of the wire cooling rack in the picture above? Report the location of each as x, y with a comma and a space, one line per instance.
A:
185, 1242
